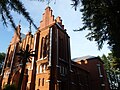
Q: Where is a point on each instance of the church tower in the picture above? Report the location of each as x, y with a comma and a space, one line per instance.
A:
43, 61
53, 53
49, 69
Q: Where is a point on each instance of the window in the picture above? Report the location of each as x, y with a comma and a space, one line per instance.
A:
63, 70
41, 69
44, 68
60, 69
44, 47
99, 70
43, 82
41, 52
39, 82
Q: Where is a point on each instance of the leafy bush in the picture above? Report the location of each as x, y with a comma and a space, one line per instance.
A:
9, 87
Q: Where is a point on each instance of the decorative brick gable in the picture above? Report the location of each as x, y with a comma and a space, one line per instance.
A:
47, 18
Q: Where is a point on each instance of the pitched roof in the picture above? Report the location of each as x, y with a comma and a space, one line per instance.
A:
83, 58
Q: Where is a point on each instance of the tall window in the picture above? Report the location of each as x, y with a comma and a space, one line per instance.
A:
44, 47
43, 82
39, 82
63, 70
60, 47
41, 52
44, 67
41, 69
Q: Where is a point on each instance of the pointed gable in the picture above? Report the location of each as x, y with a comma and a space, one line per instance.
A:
47, 18
16, 37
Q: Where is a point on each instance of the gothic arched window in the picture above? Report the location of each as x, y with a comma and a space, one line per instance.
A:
41, 52
44, 47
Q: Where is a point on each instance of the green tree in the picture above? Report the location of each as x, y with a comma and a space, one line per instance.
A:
9, 87
6, 8
102, 19
115, 62
106, 62
2, 56
113, 72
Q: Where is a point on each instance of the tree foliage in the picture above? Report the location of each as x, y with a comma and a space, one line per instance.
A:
102, 19
9, 87
2, 56
115, 62
113, 71
6, 8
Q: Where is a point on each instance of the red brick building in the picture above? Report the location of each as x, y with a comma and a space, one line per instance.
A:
97, 74
51, 68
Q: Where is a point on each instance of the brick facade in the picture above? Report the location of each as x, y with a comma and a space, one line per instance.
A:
51, 68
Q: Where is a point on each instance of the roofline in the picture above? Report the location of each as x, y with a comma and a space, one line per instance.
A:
89, 59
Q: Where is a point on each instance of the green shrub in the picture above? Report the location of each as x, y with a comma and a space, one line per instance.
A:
9, 87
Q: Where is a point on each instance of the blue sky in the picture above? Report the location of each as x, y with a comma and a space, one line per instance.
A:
80, 46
